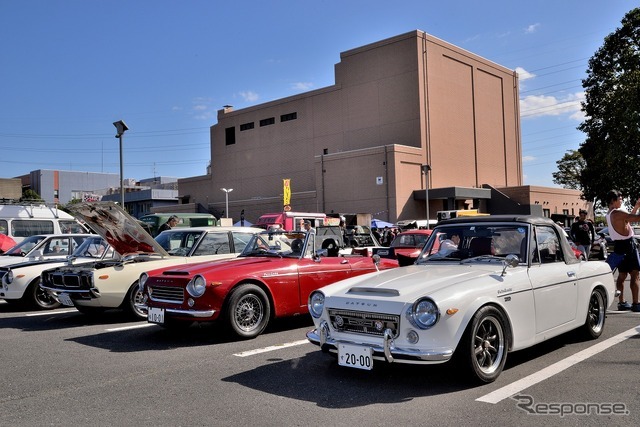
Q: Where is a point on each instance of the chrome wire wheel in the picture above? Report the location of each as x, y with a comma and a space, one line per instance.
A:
249, 312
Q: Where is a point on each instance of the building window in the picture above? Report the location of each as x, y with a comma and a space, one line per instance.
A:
287, 117
267, 122
546, 213
246, 126
230, 135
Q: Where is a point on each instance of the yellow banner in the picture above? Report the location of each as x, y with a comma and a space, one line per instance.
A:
286, 192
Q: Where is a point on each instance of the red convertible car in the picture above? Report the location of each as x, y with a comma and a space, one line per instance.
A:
272, 277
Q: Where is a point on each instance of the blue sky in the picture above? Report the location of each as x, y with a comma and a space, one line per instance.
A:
70, 68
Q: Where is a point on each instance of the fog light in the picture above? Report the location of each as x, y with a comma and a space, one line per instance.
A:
190, 302
412, 337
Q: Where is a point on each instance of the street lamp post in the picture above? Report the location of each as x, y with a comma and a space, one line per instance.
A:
425, 171
121, 127
227, 191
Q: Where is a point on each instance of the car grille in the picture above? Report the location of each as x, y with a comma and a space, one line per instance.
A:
71, 281
361, 322
172, 294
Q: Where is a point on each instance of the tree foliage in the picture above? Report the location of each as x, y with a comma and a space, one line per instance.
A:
569, 170
611, 149
31, 196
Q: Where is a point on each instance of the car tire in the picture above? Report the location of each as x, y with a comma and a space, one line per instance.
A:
39, 298
484, 345
129, 304
248, 311
596, 315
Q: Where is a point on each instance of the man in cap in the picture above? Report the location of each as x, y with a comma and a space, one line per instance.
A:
583, 233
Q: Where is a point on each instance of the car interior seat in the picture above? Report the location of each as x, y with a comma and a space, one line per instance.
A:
480, 246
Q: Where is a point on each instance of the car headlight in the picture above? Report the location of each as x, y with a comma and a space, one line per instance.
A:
424, 313
142, 280
9, 277
316, 304
197, 286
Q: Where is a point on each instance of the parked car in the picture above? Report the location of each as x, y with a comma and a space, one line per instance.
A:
406, 246
42, 246
19, 282
271, 278
604, 235
511, 283
93, 287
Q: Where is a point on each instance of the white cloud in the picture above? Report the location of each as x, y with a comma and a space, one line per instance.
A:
200, 107
541, 105
524, 74
532, 28
526, 159
249, 96
302, 86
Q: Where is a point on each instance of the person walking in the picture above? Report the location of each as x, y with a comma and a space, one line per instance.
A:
583, 233
624, 244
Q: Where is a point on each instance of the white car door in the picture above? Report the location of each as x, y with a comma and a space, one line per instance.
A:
554, 282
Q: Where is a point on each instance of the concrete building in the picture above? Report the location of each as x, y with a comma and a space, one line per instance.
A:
408, 118
10, 189
56, 186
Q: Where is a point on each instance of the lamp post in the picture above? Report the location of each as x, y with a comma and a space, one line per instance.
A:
121, 127
227, 191
425, 171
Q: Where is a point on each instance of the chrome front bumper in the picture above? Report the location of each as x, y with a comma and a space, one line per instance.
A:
385, 352
196, 314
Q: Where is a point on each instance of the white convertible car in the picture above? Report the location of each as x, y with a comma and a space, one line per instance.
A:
481, 287
113, 283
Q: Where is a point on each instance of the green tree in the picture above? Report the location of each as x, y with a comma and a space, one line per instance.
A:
611, 149
569, 170
31, 196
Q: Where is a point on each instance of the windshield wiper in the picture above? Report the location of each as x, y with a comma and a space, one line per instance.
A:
483, 257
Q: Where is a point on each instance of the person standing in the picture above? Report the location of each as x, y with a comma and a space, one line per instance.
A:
171, 222
624, 244
583, 233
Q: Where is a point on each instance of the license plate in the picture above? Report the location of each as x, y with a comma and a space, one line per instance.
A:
155, 315
355, 356
65, 299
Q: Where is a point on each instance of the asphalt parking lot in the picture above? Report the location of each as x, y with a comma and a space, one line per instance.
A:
62, 367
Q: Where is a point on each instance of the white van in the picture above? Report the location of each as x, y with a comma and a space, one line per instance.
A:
19, 221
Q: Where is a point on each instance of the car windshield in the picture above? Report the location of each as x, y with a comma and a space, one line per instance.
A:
409, 240
280, 244
475, 242
93, 247
23, 248
360, 235
179, 243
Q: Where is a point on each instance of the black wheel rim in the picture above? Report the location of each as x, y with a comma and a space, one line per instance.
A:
488, 345
596, 313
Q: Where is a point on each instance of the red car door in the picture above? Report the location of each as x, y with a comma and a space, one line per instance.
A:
314, 274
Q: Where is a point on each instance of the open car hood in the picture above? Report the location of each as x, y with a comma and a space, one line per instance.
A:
117, 227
